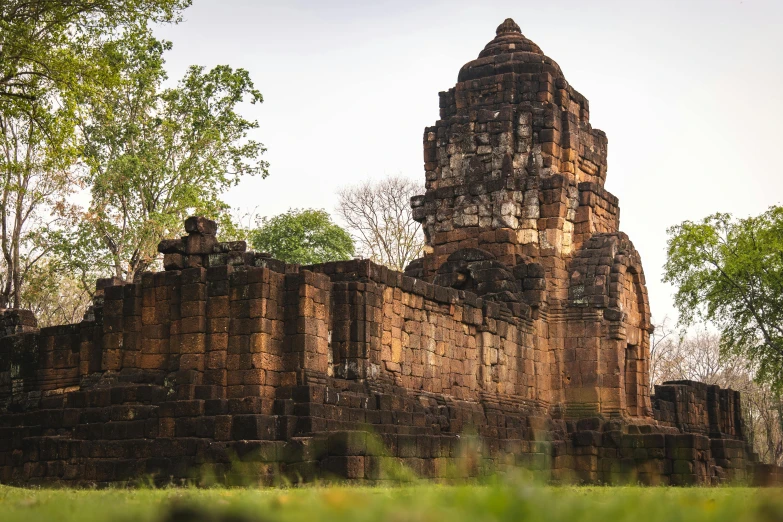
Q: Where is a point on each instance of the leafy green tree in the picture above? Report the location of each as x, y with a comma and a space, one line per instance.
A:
303, 236
153, 156
51, 54
37, 151
56, 41
730, 272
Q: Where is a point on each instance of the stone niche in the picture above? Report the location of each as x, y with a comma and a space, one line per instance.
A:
524, 329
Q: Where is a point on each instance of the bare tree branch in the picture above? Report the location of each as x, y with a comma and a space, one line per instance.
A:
380, 218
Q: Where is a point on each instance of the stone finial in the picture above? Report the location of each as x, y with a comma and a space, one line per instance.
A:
200, 225
508, 26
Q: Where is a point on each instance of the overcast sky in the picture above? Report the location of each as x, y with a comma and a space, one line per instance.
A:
689, 92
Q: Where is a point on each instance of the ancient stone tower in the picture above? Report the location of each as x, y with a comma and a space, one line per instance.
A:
515, 177
526, 323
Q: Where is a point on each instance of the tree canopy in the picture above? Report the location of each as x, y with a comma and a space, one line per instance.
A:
53, 56
37, 149
303, 236
58, 41
153, 156
729, 272
85, 111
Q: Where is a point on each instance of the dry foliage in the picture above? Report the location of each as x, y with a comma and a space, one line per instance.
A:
55, 295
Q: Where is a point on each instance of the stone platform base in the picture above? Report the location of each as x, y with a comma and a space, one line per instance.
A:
131, 433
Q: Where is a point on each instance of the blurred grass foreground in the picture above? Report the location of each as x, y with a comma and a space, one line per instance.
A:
501, 500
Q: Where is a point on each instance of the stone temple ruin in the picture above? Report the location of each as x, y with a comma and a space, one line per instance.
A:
526, 325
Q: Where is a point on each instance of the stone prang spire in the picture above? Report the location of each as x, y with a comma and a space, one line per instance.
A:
515, 210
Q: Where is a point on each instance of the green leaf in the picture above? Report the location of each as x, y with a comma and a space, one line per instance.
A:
730, 272
303, 236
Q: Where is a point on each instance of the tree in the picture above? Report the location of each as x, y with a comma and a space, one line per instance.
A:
730, 272
54, 294
54, 41
36, 155
380, 218
303, 236
152, 156
51, 51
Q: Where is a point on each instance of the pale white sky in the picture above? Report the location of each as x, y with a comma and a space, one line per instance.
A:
690, 93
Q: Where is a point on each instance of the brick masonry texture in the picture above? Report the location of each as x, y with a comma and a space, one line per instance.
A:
521, 338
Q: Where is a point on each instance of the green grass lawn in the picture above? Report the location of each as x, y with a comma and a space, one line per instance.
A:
509, 500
